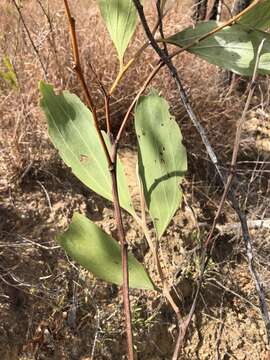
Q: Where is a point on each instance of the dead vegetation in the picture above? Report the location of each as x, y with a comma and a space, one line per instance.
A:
50, 309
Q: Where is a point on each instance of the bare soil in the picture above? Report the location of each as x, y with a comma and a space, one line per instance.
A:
50, 308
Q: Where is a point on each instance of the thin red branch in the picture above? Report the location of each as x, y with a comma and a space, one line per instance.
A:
112, 165
79, 72
124, 254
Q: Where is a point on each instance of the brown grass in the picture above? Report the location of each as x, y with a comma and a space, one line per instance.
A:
49, 309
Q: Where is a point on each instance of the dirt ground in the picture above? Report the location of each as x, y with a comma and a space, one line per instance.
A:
50, 308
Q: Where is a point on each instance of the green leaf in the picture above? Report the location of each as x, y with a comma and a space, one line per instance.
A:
162, 159
72, 131
100, 254
258, 17
233, 48
120, 17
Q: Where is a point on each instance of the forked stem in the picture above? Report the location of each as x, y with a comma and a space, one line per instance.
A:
79, 72
112, 166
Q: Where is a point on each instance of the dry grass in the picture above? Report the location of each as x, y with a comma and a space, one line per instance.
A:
49, 309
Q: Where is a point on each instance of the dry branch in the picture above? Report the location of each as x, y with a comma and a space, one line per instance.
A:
228, 191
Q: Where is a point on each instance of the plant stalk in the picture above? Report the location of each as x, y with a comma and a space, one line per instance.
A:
124, 255
112, 162
79, 72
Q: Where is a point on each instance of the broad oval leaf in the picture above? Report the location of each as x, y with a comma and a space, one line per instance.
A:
233, 48
100, 254
72, 131
162, 159
258, 17
120, 17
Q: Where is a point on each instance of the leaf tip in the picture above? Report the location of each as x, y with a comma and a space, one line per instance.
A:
61, 238
45, 88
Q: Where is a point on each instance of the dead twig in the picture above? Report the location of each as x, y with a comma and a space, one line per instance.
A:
31, 40
51, 37
252, 224
167, 60
46, 195
235, 147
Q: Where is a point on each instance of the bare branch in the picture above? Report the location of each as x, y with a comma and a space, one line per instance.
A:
205, 256
31, 40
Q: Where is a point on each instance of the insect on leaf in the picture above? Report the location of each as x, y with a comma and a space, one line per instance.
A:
120, 17
162, 159
72, 131
100, 254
